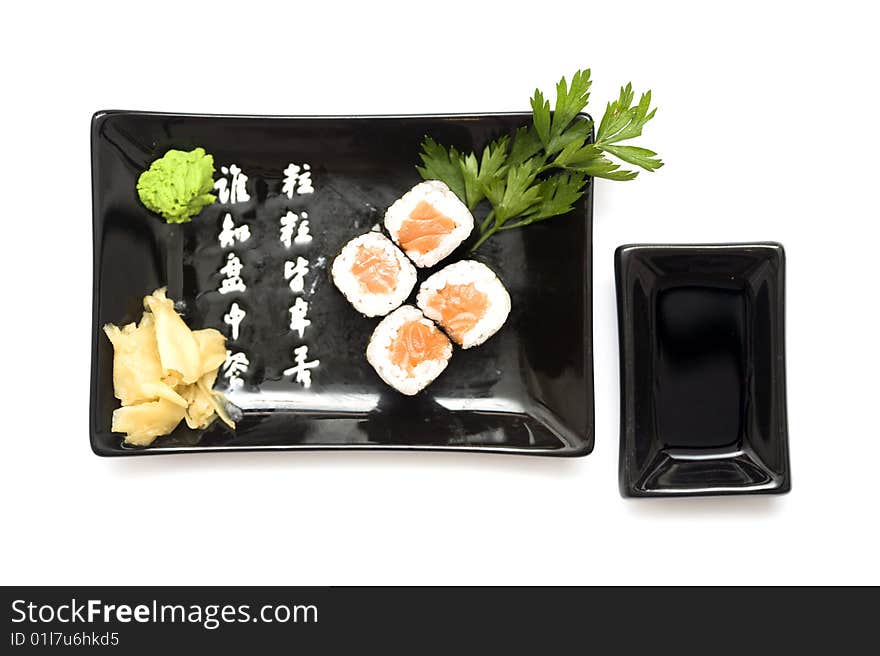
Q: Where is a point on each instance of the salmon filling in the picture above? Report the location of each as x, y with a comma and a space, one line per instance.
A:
416, 343
424, 228
460, 308
376, 270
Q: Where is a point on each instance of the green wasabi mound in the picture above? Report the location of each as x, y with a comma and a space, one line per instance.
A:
178, 185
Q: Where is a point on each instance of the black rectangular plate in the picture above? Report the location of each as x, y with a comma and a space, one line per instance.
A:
528, 390
702, 360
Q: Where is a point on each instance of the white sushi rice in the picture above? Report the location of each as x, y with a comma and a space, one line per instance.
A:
379, 353
442, 199
367, 303
484, 280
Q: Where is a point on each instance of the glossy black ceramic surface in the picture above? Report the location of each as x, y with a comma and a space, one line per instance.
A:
528, 390
702, 359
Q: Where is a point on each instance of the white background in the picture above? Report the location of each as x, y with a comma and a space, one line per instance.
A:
768, 124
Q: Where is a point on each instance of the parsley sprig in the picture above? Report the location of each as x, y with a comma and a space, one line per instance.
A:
542, 171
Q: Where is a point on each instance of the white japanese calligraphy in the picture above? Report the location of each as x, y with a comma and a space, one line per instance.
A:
297, 180
301, 370
298, 317
288, 222
234, 318
236, 192
296, 273
232, 270
236, 364
230, 233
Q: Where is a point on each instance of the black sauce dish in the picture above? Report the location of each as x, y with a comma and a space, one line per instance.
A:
702, 362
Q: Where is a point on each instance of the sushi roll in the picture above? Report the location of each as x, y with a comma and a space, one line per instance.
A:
373, 274
408, 351
428, 222
467, 300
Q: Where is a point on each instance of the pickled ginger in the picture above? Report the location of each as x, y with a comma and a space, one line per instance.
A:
164, 372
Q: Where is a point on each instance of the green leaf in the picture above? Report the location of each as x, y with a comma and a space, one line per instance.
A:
494, 156
580, 130
558, 195
513, 194
570, 101
577, 154
492, 164
646, 159
494, 190
526, 144
639, 115
602, 167
470, 174
616, 114
541, 116
623, 121
444, 165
